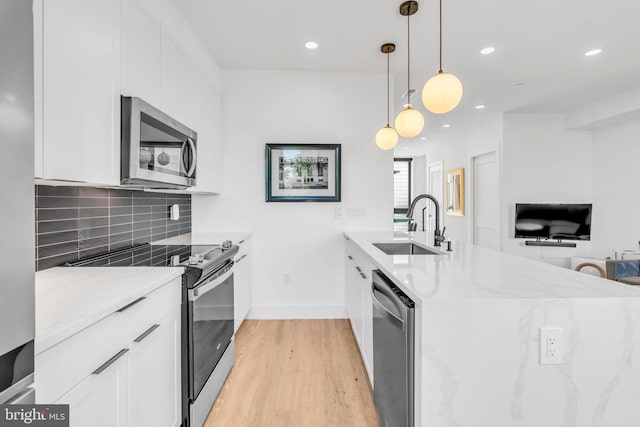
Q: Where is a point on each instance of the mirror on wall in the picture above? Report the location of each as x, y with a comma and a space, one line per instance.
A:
455, 192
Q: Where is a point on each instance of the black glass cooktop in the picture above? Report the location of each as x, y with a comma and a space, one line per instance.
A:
199, 260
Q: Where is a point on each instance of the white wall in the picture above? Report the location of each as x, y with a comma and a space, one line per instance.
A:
616, 197
454, 146
543, 163
298, 248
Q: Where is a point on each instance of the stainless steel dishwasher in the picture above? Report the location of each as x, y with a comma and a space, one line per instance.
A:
393, 353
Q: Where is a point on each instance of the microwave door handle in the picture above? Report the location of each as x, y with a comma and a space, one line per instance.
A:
192, 167
184, 166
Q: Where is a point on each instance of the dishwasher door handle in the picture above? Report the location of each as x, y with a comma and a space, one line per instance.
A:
383, 310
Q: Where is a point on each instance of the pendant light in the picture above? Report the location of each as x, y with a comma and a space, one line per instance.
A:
387, 137
409, 122
442, 92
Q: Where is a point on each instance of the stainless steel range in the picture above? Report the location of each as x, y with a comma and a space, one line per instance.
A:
208, 349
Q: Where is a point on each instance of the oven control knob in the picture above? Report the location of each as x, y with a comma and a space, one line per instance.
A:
193, 260
226, 244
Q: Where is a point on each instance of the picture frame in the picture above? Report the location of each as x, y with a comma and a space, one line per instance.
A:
455, 192
302, 172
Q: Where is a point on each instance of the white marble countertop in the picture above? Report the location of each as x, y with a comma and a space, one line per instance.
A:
473, 272
70, 299
205, 238
478, 338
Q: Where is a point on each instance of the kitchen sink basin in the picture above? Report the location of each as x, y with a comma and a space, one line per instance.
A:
405, 249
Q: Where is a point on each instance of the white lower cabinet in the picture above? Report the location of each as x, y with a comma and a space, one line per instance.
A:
102, 399
155, 374
124, 370
242, 284
358, 273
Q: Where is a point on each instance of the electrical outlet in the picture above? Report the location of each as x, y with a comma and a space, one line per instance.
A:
551, 346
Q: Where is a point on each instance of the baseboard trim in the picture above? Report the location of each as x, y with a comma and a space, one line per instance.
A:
265, 312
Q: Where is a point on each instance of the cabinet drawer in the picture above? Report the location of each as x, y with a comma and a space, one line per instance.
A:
244, 247
64, 365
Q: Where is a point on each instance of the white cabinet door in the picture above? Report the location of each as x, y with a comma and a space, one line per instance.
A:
141, 35
367, 317
155, 374
204, 111
80, 98
173, 79
353, 297
242, 284
101, 400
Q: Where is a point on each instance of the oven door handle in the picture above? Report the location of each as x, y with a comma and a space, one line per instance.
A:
197, 292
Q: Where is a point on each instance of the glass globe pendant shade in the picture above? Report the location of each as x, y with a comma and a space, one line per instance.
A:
442, 93
409, 123
386, 138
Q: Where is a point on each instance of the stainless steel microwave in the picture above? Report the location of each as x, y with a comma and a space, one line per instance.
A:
157, 151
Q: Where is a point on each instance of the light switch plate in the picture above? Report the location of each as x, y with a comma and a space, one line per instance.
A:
174, 212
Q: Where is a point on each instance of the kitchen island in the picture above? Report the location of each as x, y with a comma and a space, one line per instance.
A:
477, 338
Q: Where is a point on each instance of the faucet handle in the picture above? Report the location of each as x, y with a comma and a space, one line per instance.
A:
442, 232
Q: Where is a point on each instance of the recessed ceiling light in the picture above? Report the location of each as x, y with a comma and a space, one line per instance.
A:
311, 45
488, 50
593, 52
405, 148
480, 107
424, 138
446, 125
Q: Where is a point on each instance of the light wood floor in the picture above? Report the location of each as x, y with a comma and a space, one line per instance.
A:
295, 373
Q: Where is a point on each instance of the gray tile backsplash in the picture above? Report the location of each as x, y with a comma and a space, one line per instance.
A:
75, 222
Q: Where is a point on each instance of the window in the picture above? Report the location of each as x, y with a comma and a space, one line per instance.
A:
401, 185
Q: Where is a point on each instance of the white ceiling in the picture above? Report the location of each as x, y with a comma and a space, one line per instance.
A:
539, 43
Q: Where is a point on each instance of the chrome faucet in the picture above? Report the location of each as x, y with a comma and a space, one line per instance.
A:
438, 236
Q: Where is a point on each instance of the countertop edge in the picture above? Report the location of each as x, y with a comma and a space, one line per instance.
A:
55, 334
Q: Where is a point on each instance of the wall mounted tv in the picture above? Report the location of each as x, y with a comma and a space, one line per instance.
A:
553, 221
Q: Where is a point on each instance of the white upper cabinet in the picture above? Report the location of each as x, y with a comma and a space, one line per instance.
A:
204, 115
88, 53
79, 55
141, 36
173, 79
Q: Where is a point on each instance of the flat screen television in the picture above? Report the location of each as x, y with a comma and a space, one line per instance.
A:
553, 221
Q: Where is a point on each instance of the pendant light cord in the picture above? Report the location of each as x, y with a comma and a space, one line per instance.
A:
388, 96
440, 36
409, 62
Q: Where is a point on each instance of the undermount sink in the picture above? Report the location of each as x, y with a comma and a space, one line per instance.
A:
405, 248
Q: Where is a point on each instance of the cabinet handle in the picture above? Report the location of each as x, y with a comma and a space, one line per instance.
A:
363, 275
146, 333
110, 362
349, 256
128, 306
241, 258
359, 269
347, 238
241, 241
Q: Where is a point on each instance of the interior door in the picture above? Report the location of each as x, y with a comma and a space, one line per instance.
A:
435, 187
486, 200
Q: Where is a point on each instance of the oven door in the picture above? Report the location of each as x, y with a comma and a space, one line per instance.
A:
210, 326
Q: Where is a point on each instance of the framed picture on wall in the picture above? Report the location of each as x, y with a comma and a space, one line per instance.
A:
302, 172
455, 192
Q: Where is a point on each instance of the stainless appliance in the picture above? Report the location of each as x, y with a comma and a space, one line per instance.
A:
393, 353
157, 151
208, 350
17, 284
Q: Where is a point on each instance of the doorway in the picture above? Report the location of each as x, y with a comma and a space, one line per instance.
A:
486, 200
435, 187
